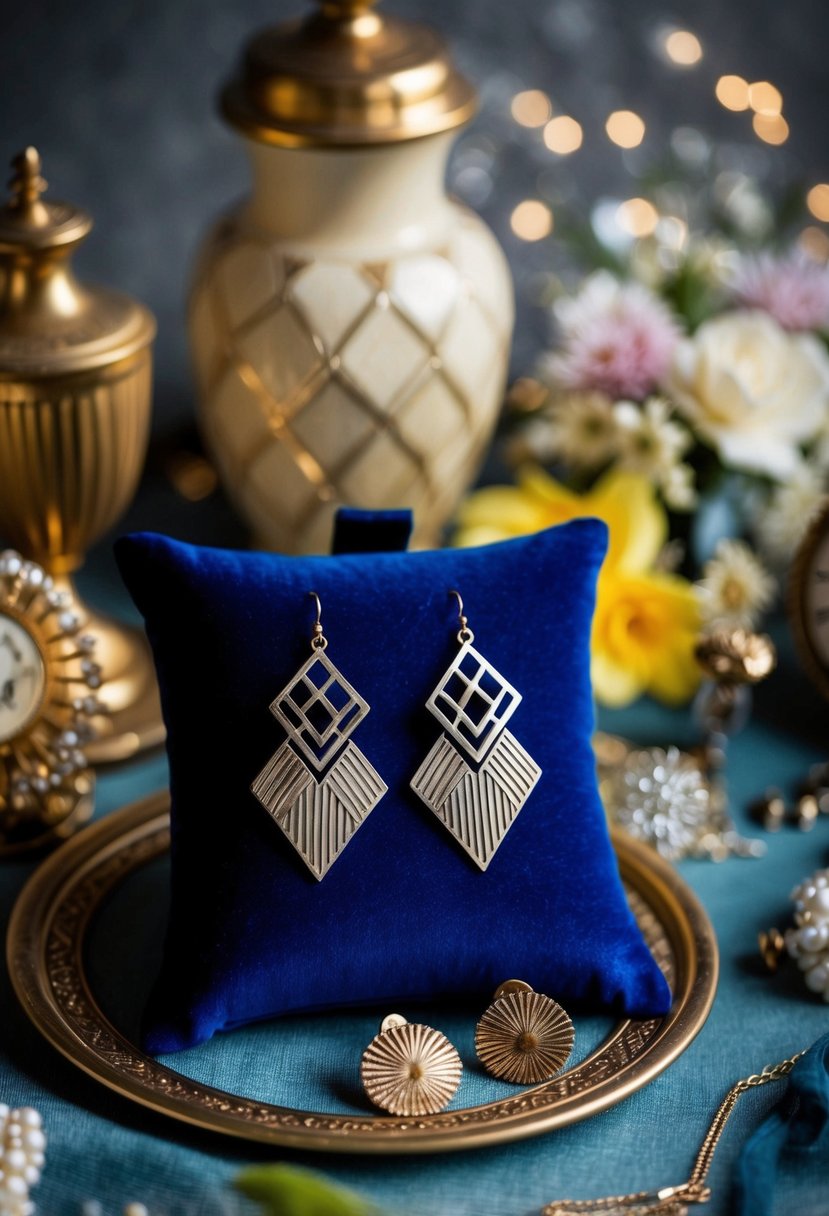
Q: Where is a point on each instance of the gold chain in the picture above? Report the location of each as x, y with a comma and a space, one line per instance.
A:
674, 1200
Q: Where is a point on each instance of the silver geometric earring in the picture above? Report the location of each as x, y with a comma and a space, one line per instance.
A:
319, 709
473, 702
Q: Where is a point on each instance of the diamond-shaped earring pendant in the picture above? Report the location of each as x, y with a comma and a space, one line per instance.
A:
318, 786
473, 703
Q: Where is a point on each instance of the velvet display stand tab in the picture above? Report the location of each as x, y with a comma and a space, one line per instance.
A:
403, 914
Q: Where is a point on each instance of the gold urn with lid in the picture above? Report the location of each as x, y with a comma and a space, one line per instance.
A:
75, 401
350, 323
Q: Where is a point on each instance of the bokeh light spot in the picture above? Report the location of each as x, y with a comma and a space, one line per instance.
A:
637, 216
531, 108
532, 220
817, 200
814, 242
683, 48
563, 135
732, 92
625, 128
764, 98
771, 128
672, 231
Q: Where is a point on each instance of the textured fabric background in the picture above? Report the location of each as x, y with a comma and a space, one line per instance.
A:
120, 98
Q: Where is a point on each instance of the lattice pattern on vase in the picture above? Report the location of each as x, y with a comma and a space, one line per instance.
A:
473, 702
370, 384
319, 814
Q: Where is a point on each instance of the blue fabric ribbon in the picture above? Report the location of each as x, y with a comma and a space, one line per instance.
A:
798, 1124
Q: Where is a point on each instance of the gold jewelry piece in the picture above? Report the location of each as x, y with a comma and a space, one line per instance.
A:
473, 702
409, 1069
674, 1200
523, 1037
805, 812
319, 709
49, 708
769, 811
75, 405
772, 947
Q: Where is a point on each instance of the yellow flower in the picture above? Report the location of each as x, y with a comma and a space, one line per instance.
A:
646, 622
644, 631
625, 501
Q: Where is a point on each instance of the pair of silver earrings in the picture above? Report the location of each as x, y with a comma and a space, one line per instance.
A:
524, 1037
320, 788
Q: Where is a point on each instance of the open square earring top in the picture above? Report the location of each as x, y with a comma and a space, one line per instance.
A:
319, 710
473, 702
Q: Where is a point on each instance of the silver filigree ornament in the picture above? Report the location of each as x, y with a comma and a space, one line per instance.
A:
319, 808
473, 702
663, 797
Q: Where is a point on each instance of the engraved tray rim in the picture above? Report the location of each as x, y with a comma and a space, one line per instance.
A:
45, 955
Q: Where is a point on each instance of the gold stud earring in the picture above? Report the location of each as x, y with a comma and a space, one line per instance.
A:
523, 1037
409, 1069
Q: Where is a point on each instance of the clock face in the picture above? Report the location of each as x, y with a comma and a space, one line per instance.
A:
22, 678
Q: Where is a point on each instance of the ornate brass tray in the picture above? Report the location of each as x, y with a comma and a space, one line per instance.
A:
46, 957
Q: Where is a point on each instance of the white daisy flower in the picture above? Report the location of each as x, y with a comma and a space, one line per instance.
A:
677, 486
582, 430
736, 588
652, 443
789, 512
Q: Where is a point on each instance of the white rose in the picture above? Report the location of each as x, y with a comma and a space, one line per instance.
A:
753, 391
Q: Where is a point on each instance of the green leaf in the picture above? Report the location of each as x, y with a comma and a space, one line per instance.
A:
284, 1190
691, 295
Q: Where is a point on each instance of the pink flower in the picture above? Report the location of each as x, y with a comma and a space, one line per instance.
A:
616, 338
793, 289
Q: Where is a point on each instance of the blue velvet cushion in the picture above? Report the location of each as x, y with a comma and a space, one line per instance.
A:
403, 913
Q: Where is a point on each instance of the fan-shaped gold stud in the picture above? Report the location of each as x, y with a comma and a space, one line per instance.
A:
409, 1069
524, 1037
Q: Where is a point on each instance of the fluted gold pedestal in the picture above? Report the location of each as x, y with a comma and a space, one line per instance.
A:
75, 398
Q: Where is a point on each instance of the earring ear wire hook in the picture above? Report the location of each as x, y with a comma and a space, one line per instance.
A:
318, 641
465, 634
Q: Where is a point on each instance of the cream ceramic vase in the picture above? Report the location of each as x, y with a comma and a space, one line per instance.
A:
350, 327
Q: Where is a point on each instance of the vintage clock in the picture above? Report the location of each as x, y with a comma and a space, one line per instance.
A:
49, 684
809, 599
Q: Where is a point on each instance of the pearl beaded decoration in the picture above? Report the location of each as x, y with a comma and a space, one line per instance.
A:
22, 1154
808, 941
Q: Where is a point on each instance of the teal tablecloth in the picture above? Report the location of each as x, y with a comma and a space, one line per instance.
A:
102, 1147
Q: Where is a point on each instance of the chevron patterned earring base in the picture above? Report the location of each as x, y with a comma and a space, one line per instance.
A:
479, 807
319, 818
318, 710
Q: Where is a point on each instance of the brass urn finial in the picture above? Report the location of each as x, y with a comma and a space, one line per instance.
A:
27, 185
346, 75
